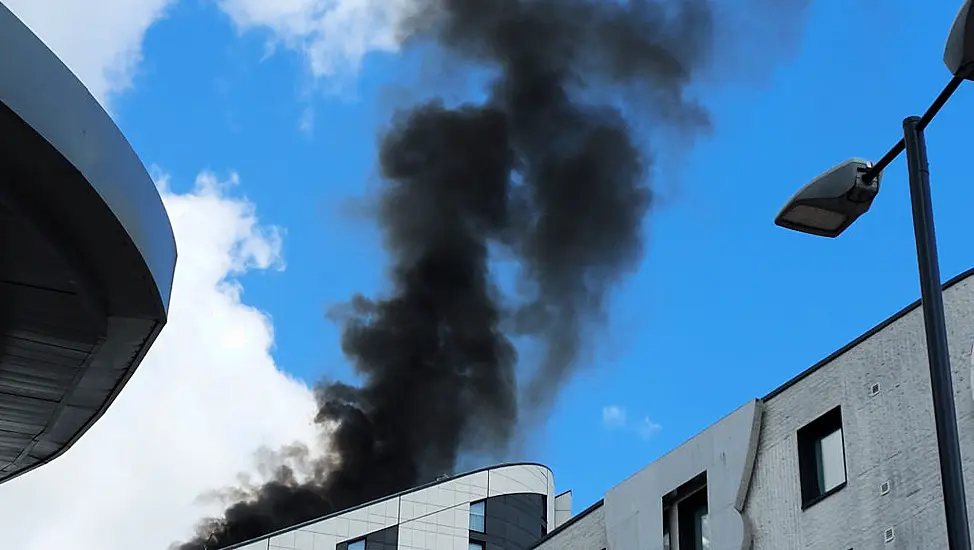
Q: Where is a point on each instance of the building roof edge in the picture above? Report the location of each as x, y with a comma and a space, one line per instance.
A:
381, 499
862, 338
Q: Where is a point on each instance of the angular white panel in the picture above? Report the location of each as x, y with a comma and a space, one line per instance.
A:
526, 478
461, 517
332, 526
411, 537
412, 507
551, 499
470, 487
283, 540
392, 509
361, 514
563, 510
357, 528
443, 542
429, 500
326, 542
382, 509
304, 540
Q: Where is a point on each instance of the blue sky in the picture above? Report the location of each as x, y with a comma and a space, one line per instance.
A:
725, 307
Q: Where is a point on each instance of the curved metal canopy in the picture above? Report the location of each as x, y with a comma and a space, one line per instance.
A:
87, 255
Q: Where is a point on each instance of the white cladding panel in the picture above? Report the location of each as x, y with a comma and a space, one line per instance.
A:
442, 530
520, 479
444, 495
563, 510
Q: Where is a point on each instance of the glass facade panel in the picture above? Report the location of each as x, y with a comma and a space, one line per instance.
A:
477, 516
831, 461
513, 521
357, 545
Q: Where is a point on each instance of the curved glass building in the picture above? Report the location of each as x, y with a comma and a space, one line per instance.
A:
509, 507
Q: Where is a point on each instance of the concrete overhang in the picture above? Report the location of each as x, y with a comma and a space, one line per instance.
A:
87, 255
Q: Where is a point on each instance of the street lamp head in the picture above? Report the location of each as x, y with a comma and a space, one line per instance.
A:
959, 52
831, 202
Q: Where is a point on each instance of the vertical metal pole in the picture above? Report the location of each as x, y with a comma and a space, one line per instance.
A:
931, 292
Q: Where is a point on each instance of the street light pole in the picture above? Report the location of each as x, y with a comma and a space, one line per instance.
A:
938, 355
829, 204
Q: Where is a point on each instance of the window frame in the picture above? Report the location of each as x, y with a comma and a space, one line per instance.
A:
688, 519
681, 512
667, 539
810, 462
482, 516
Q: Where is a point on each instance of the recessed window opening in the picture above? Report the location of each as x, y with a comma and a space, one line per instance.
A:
693, 519
686, 511
357, 545
821, 457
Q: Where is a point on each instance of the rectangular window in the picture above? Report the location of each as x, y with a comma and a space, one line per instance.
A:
357, 545
686, 522
475, 545
693, 521
821, 457
477, 517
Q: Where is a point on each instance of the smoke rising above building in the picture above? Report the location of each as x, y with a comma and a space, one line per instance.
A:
548, 168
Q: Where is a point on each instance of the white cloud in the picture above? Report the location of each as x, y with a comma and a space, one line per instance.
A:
100, 41
333, 35
307, 122
648, 428
206, 398
613, 416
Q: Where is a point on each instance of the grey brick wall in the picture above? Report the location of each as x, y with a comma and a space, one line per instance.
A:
888, 437
584, 533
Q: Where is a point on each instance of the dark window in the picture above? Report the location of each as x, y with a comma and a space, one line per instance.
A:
477, 516
666, 528
685, 509
821, 457
511, 522
694, 521
385, 539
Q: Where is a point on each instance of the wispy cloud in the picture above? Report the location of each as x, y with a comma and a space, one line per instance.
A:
648, 428
614, 417
307, 122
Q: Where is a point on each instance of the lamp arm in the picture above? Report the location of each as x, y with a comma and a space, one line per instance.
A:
931, 112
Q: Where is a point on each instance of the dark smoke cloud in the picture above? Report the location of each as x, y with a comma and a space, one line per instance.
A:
547, 168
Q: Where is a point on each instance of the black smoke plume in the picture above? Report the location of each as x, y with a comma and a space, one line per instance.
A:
546, 168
